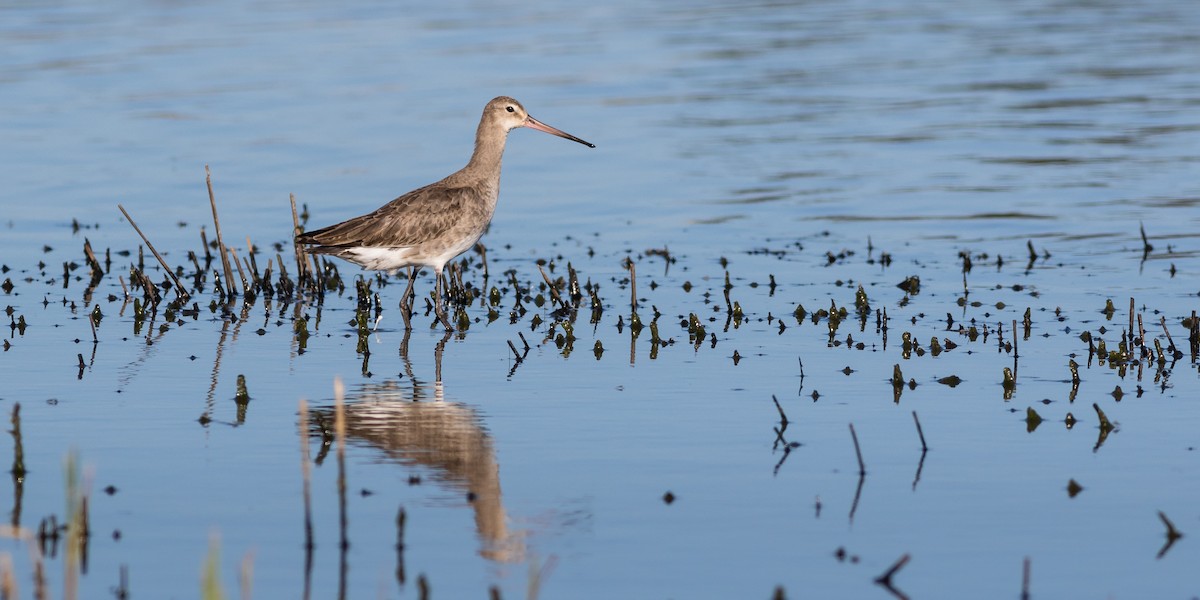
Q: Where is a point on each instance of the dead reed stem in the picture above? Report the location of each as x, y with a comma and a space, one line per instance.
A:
303, 268
212, 200
632, 284
1170, 342
183, 294
1131, 330
92, 322
241, 274
251, 263
553, 290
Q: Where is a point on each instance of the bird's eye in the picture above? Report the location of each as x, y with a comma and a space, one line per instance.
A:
510, 109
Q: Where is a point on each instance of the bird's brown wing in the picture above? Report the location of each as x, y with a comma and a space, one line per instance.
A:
412, 219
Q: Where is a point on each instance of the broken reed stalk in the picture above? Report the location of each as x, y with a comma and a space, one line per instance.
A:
1141, 331
302, 264
632, 283
252, 268
553, 290
91, 256
241, 274
862, 469
212, 200
919, 432
204, 244
1170, 342
1130, 347
306, 473
183, 294
251, 264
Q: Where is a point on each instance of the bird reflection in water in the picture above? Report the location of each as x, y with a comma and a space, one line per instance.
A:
413, 424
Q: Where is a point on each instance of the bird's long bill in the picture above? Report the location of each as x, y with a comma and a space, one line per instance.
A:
533, 123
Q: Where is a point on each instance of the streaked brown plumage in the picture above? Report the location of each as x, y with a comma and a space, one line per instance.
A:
429, 226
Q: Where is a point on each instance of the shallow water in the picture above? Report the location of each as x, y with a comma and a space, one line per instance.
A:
801, 143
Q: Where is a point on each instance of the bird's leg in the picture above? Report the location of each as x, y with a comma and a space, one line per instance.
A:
406, 299
437, 301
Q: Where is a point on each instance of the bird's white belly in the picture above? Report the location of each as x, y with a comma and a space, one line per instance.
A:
391, 259
381, 258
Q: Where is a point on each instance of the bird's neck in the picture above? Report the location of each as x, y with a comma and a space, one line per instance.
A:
489, 150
